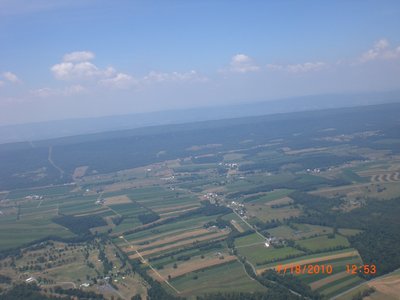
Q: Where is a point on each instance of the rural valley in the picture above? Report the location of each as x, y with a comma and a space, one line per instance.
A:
289, 206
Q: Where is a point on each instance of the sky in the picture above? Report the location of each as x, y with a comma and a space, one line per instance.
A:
64, 59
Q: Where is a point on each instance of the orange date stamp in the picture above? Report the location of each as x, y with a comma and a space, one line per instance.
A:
312, 269
305, 269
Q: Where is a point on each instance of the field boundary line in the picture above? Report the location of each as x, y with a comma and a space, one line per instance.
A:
151, 267
251, 227
363, 283
115, 212
249, 245
39, 203
53, 164
312, 260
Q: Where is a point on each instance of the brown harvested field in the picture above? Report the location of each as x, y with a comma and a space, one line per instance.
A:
330, 278
237, 226
79, 172
173, 238
386, 288
131, 184
311, 260
192, 265
389, 177
284, 200
178, 211
121, 199
141, 227
217, 235
174, 208
165, 234
343, 189
100, 210
200, 147
289, 151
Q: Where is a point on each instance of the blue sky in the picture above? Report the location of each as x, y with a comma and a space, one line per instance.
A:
66, 59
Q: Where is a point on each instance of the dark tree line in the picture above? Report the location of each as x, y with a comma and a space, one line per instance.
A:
379, 241
79, 225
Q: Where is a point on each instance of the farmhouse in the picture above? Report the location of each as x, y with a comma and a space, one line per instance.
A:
30, 280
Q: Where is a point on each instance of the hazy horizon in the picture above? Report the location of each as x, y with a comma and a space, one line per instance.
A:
84, 59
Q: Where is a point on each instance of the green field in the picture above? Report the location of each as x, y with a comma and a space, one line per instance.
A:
250, 239
260, 254
298, 231
223, 278
270, 196
323, 242
17, 233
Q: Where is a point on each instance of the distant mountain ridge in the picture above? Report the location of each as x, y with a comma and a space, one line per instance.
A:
71, 127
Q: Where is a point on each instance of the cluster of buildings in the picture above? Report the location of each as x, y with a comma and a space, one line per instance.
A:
274, 241
212, 197
34, 197
238, 208
100, 201
31, 280
229, 165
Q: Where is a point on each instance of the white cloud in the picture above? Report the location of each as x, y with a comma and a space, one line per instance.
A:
82, 70
11, 77
380, 50
43, 92
298, 68
120, 80
191, 76
51, 92
241, 63
77, 67
1, 83
74, 89
78, 56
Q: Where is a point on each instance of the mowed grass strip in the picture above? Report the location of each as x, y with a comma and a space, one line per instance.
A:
174, 208
101, 211
177, 212
211, 236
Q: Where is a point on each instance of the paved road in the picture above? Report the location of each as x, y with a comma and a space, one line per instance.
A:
151, 267
50, 159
